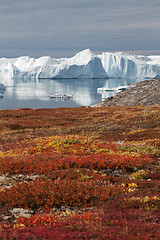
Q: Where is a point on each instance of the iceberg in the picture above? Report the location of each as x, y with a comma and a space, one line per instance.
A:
124, 65
119, 88
84, 64
61, 97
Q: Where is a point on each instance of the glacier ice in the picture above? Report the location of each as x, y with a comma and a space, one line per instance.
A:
119, 88
124, 65
84, 64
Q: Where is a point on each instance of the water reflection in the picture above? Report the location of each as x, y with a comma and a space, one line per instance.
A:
35, 93
2, 93
113, 83
2, 90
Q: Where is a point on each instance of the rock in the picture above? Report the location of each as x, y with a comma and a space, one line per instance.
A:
17, 212
141, 93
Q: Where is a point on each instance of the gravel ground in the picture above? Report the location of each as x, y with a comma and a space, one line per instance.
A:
141, 93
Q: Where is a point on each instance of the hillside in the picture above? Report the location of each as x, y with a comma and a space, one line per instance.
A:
141, 93
80, 173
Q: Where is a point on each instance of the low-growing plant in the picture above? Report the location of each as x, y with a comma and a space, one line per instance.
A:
86, 173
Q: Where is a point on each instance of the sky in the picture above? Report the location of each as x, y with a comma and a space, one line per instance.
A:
61, 28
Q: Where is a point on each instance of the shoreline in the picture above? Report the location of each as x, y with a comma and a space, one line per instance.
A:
145, 93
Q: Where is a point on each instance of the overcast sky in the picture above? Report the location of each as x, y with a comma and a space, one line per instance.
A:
64, 27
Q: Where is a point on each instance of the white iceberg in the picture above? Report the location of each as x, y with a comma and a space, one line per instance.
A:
106, 89
124, 65
83, 65
60, 97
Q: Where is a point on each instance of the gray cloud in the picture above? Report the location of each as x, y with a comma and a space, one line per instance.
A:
61, 28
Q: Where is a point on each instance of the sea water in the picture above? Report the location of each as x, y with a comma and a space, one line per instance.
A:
36, 93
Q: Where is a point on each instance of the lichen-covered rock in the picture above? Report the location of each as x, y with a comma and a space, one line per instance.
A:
141, 93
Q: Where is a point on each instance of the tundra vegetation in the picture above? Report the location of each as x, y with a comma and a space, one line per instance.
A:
80, 173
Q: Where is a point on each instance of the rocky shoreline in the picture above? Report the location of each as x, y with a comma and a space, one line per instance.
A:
145, 93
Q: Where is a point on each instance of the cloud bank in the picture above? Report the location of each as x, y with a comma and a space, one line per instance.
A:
61, 28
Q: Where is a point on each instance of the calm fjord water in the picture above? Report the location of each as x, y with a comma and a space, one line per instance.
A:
36, 93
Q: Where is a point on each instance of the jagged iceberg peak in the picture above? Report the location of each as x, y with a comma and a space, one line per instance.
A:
84, 64
25, 63
83, 57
